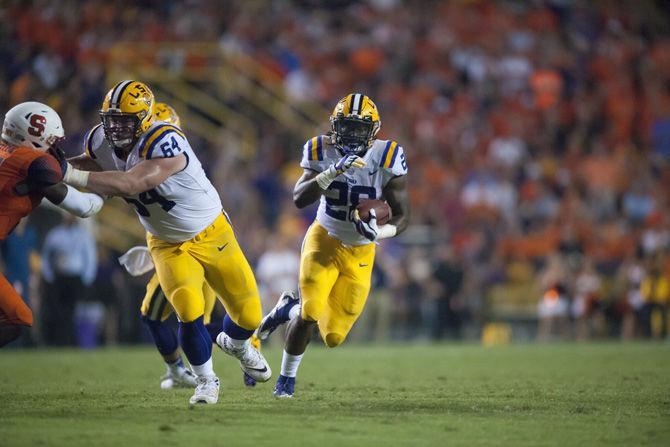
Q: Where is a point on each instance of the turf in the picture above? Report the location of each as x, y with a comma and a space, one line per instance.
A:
581, 394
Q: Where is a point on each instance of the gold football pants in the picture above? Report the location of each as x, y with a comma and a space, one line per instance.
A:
214, 257
334, 282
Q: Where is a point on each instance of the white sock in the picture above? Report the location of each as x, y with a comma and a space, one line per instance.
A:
294, 312
289, 364
206, 369
237, 343
176, 367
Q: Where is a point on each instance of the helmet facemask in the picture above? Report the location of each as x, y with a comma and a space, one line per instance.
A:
352, 135
121, 129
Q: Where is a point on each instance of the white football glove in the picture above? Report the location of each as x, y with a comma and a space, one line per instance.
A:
345, 163
368, 230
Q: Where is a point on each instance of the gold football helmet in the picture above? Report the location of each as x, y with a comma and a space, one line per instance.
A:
127, 111
166, 113
354, 124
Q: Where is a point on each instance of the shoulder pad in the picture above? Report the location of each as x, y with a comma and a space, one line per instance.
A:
155, 135
314, 148
393, 158
92, 140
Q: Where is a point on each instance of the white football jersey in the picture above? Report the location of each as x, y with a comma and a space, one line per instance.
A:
184, 204
384, 160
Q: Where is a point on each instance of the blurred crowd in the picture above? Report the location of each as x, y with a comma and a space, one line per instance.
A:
537, 135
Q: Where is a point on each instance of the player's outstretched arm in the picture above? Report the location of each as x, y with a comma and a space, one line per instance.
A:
396, 195
81, 204
143, 177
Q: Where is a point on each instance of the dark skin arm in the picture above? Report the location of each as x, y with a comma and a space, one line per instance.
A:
55, 193
395, 193
307, 190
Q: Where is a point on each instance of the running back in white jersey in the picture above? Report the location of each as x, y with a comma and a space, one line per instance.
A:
385, 160
184, 204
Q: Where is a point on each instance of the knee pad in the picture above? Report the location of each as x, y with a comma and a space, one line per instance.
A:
187, 303
250, 315
311, 311
333, 339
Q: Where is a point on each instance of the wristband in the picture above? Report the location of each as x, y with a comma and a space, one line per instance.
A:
325, 178
386, 231
75, 177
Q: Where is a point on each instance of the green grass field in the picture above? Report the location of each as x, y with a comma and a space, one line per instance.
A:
578, 394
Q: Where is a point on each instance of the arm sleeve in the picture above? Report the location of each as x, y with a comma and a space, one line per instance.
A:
81, 204
312, 155
393, 159
164, 141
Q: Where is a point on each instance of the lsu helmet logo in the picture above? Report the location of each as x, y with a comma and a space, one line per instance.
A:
127, 111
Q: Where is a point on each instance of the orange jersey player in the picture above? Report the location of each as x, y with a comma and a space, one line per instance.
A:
30, 169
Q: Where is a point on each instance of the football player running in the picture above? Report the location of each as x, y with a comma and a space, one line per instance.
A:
31, 169
340, 169
152, 166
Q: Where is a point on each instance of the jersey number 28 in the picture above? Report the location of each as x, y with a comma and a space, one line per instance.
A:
347, 197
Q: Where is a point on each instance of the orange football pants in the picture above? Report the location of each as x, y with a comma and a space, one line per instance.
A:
12, 308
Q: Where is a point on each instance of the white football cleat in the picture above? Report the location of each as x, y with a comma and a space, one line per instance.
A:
183, 379
251, 360
206, 390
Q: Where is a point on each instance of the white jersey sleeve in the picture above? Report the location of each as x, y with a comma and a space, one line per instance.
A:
97, 148
393, 159
93, 140
164, 141
312, 154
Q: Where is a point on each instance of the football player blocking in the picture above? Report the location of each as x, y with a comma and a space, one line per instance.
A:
31, 166
340, 169
151, 165
155, 308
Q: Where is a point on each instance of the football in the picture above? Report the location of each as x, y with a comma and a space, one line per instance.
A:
382, 211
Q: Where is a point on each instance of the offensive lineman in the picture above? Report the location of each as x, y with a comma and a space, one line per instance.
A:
152, 166
155, 308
